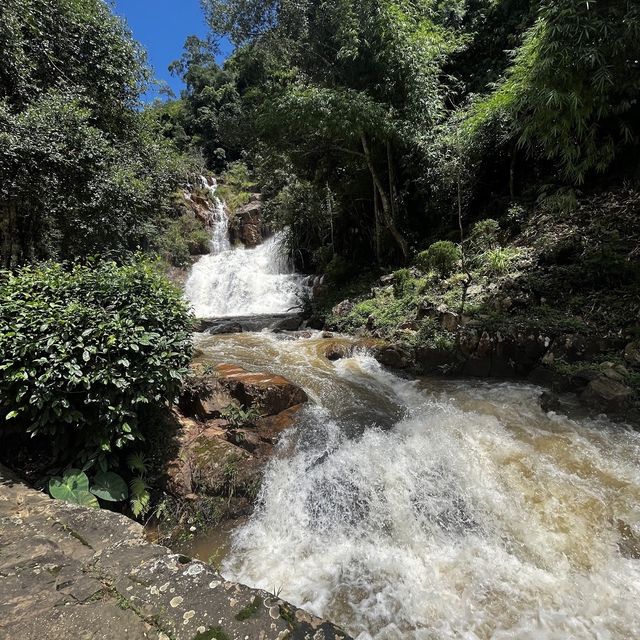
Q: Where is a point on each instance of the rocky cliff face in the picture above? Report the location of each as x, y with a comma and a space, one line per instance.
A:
246, 222
74, 572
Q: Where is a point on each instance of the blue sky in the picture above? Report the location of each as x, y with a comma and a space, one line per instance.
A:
162, 26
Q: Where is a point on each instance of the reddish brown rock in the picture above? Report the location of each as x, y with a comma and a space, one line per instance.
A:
247, 224
271, 393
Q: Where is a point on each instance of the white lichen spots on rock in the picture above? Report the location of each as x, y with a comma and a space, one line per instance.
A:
187, 616
176, 602
164, 587
153, 590
214, 584
194, 570
163, 636
283, 634
201, 629
130, 587
232, 602
274, 612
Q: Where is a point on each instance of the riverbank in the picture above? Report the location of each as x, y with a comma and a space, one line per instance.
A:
73, 572
551, 297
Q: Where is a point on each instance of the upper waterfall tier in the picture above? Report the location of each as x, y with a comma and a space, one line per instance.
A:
236, 281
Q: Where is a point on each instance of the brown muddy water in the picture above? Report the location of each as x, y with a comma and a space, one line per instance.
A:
430, 509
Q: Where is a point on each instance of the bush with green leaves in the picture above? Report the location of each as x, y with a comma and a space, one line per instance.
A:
441, 256
184, 238
86, 351
484, 234
499, 260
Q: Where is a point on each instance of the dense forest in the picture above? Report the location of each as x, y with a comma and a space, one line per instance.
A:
372, 126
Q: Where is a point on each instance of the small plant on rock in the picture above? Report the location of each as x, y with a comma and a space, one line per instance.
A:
442, 257
238, 417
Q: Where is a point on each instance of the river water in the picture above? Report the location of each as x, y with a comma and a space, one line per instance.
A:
424, 509
406, 509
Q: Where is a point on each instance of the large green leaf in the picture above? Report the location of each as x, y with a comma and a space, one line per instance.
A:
109, 486
73, 486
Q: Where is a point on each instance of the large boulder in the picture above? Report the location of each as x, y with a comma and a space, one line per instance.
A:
271, 393
393, 356
247, 224
607, 395
74, 572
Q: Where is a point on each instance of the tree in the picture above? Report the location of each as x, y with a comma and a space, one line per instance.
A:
83, 172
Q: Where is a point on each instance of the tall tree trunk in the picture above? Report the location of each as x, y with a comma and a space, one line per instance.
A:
378, 229
392, 181
384, 199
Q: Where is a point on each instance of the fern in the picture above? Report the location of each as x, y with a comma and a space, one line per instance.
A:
139, 463
139, 496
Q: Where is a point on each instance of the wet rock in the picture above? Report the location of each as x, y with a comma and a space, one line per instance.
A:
246, 225
271, 393
477, 366
550, 401
337, 351
270, 427
434, 360
393, 356
225, 328
607, 395
632, 354
287, 324
218, 466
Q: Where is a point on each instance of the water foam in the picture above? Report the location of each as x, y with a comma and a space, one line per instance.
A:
473, 515
238, 281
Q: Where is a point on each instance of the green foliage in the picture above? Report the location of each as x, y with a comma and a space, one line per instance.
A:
83, 171
109, 486
73, 486
570, 93
441, 256
85, 349
238, 417
182, 239
140, 497
235, 186
499, 260
484, 234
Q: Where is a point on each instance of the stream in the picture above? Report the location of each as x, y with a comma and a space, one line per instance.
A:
423, 509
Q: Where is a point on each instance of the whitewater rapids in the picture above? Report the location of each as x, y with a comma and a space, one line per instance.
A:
424, 510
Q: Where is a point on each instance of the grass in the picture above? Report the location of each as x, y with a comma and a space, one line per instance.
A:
250, 610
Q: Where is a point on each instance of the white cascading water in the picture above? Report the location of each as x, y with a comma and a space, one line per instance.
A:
408, 510
238, 281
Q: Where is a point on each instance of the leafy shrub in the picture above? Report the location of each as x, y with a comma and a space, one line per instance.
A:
484, 234
239, 417
83, 351
184, 237
235, 186
441, 256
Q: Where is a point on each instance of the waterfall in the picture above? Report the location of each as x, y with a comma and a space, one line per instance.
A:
240, 281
